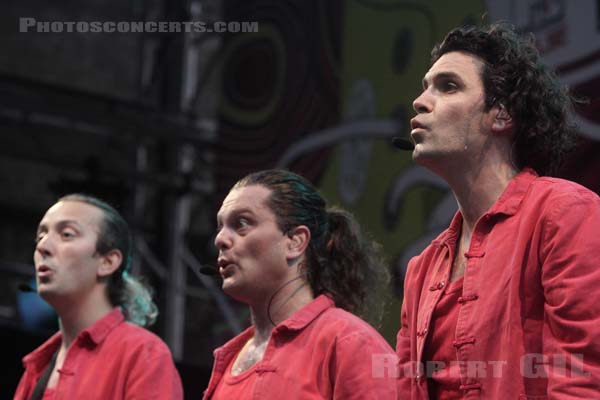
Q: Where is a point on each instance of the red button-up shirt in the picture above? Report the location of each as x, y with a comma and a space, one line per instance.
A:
320, 352
444, 377
529, 318
110, 360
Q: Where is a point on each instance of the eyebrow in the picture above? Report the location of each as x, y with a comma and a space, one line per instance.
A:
235, 213
60, 224
442, 76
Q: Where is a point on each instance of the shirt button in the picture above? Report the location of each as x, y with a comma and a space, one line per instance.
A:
442, 284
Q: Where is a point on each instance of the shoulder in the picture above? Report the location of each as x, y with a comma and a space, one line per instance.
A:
348, 330
342, 319
133, 339
555, 198
45, 350
560, 190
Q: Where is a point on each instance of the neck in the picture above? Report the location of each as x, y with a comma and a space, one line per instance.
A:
478, 176
476, 190
75, 315
292, 296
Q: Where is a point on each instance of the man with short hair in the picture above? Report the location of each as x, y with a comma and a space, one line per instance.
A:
503, 304
81, 259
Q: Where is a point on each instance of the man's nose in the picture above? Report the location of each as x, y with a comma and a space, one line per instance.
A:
223, 239
422, 104
44, 245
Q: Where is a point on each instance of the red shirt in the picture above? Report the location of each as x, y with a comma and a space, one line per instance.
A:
438, 352
110, 360
529, 317
320, 352
48, 394
233, 387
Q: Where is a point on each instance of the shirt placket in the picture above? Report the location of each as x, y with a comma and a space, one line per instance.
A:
465, 339
265, 370
433, 293
219, 365
66, 373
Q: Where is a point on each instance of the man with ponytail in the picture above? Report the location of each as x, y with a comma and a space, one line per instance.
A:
304, 270
82, 254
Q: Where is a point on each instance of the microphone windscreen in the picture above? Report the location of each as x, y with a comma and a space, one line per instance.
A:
25, 287
403, 143
209, 270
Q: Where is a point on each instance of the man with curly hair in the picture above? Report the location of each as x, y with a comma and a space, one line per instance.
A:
306, 271
500, 305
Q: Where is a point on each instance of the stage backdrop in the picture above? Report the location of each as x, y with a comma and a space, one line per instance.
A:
319, 65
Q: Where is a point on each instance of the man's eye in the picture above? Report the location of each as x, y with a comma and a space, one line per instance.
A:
39, 237
448, 86
67, 234
242, 223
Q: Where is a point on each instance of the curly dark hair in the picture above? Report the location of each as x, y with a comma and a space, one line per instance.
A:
340, 260
514, 76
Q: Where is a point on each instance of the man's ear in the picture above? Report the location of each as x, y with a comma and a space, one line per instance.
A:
297, 242
111, 261
503, 122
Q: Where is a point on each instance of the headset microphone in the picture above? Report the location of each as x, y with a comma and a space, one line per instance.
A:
25, 287
403, 143
209, 270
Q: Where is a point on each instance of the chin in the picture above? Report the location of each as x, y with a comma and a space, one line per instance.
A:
229, 287
237, 293
415, 156
43, 289
237, 296
420, 157
429, 158
47, 294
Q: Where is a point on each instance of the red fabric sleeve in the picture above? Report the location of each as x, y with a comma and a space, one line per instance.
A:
571, 279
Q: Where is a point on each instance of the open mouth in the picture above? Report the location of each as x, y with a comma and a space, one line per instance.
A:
226, 270
44, 272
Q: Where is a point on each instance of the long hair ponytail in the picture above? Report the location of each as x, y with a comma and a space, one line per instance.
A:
341, 261
124, 290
